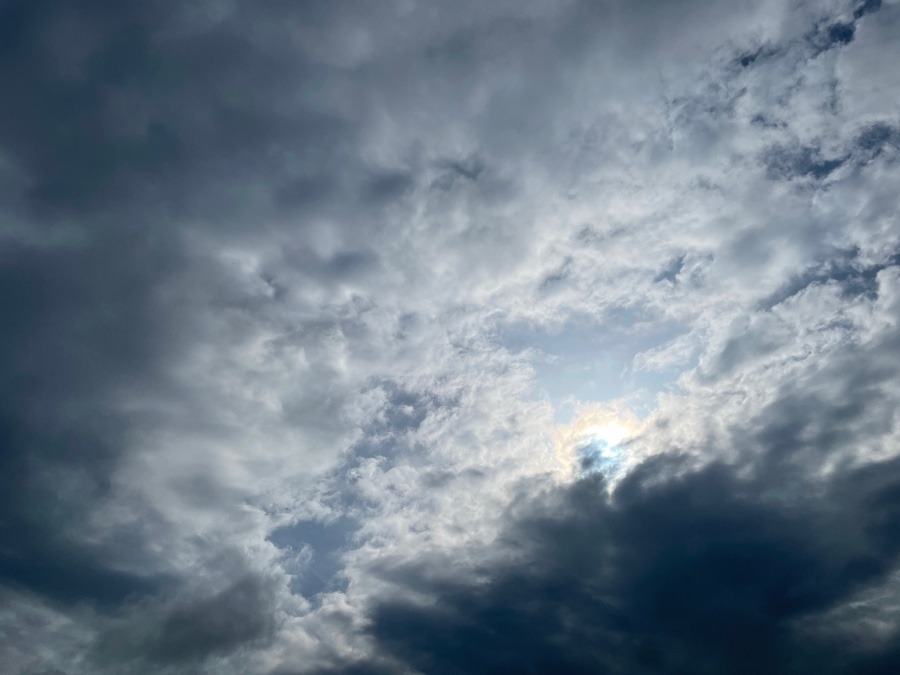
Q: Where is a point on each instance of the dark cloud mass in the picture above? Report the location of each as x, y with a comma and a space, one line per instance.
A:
706, 573
406, 337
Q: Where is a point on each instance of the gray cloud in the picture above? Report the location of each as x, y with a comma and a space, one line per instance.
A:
192, 631
711, 569
298, 298
702, 573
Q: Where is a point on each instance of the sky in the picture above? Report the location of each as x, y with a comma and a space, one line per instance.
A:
370, 338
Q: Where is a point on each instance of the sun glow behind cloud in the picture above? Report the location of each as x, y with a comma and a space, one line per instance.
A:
597, 440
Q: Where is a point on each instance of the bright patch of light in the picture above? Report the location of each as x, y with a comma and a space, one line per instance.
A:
597, 440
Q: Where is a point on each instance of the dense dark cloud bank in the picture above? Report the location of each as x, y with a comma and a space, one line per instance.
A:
474, 337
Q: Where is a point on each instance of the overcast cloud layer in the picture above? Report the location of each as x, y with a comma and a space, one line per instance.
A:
431, 337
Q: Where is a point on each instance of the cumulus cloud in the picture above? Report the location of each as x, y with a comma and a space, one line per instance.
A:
508, 336
747, 563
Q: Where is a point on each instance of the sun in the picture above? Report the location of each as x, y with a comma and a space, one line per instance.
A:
597, 440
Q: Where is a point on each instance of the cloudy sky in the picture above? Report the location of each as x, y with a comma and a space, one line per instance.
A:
449, 337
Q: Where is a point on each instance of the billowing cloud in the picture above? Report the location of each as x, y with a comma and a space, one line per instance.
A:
745, 564
401, 337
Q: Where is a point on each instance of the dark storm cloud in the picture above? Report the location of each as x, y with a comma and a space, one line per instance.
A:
683, 570
705, 573
120, 125
145, 112
193, 630
78, 325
